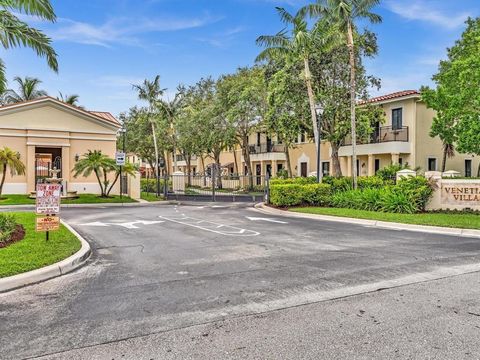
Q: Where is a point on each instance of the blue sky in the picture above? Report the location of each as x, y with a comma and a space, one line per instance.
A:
104, 46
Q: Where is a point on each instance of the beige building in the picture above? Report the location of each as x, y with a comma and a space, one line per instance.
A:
402, 139
48, 133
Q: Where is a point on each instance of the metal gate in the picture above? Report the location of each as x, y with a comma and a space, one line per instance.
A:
212, 187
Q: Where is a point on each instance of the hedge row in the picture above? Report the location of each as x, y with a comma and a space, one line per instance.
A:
408, 196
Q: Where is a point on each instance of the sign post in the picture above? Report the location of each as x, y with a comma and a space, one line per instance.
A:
120, 160
47, 204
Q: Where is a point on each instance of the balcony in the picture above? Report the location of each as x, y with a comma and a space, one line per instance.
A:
382, 134
267, 148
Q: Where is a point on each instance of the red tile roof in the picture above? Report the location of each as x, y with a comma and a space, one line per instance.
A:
392, 96
101, 115
105, 115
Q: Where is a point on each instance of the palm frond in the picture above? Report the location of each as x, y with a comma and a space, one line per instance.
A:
272, 53
16, 33
285, 16
279, 40
40, 8
3, 79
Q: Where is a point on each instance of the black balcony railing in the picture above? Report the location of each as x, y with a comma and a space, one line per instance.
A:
381, 135
267, 148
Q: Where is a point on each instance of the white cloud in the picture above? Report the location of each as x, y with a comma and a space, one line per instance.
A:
124, 31
423, 10
222, 40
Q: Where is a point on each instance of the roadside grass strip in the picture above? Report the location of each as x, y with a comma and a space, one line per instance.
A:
449, 220
210, 226
82, 199
34, 252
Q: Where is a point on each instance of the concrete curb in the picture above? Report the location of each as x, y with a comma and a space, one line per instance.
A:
63, 267
94, 205
372, 223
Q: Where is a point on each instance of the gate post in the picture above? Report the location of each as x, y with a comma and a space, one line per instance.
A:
214, 176
267, 188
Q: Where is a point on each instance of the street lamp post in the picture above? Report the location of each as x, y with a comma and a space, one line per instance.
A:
123, 131
319, 112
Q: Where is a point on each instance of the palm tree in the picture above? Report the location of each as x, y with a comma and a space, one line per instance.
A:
98, 163
127, 169
299, 43
69, 99
27, 90
16, 33
10, 159
172, 109
343, 14
151, 92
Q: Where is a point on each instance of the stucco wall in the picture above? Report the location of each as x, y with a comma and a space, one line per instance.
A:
24, 129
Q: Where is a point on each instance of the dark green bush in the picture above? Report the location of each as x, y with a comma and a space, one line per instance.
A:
150, 185
316, 194
390, 172
418, 189
295, 180
285, 195
338, 184
7, 226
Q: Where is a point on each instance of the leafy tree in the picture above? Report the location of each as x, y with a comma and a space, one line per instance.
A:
343, 14
298, 42
98, 163
17, 33
10, 159
287, 113
27, 90
243, 96
443, 124
457, 96
332, 85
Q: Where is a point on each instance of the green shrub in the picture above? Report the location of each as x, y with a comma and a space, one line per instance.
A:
284, 195
338, 184
372, 182
295, 180
7, 226
418, 189
390, 172
394, 200
150, 185
316, 194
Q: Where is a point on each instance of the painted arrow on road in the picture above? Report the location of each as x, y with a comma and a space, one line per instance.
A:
266, 219
127, 225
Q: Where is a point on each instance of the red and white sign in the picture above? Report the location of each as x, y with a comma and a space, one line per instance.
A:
48, 199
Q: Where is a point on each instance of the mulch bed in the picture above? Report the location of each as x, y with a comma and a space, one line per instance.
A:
17, 235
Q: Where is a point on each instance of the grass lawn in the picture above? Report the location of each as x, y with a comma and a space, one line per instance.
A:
151, 197
33, 251
83, 199
451, 220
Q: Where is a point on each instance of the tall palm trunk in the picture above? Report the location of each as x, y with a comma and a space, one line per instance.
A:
4, 173
236, 161
311, 99
353, 92
248, 163
155, 144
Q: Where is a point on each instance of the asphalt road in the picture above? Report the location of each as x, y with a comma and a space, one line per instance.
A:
170, 276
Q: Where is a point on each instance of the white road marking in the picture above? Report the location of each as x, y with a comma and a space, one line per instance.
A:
210, 226
266, 219
127, 225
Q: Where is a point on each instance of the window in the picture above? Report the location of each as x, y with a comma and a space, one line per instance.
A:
432, 164
358, 167
279, 167
468, 168
303, 169
302, 137
397, 119
377, 165
258, 139
400, 161
326, 168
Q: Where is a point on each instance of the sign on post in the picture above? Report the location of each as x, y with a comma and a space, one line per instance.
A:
47, 223
120, 158
48, 199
